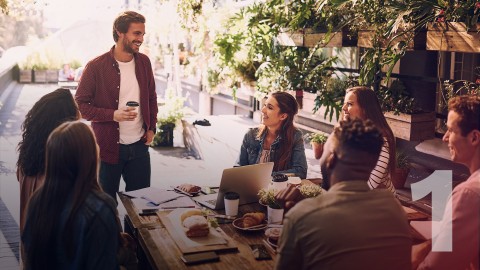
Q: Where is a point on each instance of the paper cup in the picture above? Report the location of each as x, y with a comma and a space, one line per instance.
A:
232, 200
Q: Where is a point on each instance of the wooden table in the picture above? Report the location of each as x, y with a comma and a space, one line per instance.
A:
161, 251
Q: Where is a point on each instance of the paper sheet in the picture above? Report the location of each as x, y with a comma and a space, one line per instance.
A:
181, 202
152, 193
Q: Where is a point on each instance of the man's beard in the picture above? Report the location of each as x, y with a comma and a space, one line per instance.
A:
127, 47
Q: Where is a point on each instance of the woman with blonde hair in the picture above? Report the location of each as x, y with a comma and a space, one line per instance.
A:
361, 102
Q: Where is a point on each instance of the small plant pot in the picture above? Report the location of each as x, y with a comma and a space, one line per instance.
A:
317, 149
275, 216
399, 177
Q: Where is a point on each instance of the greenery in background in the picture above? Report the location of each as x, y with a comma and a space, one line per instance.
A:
396, 99
402, 160
460, 87
316, 137
20, 23
330, 95
168, 115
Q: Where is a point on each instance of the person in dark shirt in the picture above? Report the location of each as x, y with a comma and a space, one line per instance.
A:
71, 223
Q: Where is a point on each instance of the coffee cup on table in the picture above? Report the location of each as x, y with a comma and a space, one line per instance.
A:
294, 181
279, 182
232, 200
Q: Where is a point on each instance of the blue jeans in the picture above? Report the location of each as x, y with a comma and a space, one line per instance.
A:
133, 165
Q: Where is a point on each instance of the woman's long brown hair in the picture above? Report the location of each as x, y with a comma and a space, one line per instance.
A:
368, 102
287, 104
71, 172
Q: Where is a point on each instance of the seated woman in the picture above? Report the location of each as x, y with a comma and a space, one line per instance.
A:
361, 102
277, 139
71, 223
46, 114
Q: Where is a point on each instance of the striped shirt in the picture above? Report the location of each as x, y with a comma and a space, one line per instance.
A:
380, 176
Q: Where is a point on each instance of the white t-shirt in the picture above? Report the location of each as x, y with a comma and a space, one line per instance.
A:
130, 131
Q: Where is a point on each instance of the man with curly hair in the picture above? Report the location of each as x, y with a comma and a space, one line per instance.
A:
350, 226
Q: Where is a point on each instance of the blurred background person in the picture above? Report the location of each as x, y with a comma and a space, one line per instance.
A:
66, 73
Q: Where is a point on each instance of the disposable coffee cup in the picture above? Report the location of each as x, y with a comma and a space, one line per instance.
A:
133, 104
279, 182
294, 181
232, 200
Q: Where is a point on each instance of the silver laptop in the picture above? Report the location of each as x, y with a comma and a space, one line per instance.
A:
244, 180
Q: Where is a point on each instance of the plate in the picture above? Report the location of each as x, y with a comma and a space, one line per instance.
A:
238, 224
271, 243
260, 202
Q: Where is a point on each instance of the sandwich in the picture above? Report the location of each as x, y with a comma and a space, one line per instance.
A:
195, 223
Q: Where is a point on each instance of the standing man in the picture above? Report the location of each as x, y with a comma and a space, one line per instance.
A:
123, 132
350, 226
463, 138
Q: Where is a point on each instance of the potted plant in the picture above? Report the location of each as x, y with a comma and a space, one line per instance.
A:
405, 118
274, 209
317, 140
168, 116
310, 190
399, 176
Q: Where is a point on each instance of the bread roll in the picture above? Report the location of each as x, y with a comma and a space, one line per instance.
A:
253, 219
189, 213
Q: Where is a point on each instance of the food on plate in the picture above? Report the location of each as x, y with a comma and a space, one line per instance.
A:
189, 213
195, 223
253, 219
189, 188
273, 234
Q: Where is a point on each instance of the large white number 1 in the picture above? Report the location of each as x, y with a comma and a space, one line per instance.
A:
439, 184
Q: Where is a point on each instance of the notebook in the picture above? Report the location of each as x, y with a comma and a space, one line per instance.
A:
244, 180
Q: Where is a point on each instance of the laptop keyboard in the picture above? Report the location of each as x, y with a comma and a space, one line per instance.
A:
212, 202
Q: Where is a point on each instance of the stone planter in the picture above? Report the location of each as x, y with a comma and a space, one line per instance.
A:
310, 38
39, 76
25, 76
52, 75
412, 127
453, 37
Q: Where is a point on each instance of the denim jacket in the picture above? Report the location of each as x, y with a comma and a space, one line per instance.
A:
251, 150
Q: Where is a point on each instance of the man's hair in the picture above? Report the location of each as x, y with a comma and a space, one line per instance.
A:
361, 135
123, 21
468, 108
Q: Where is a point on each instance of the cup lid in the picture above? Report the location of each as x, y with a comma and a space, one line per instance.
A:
231, 196
132, 104
279, 178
